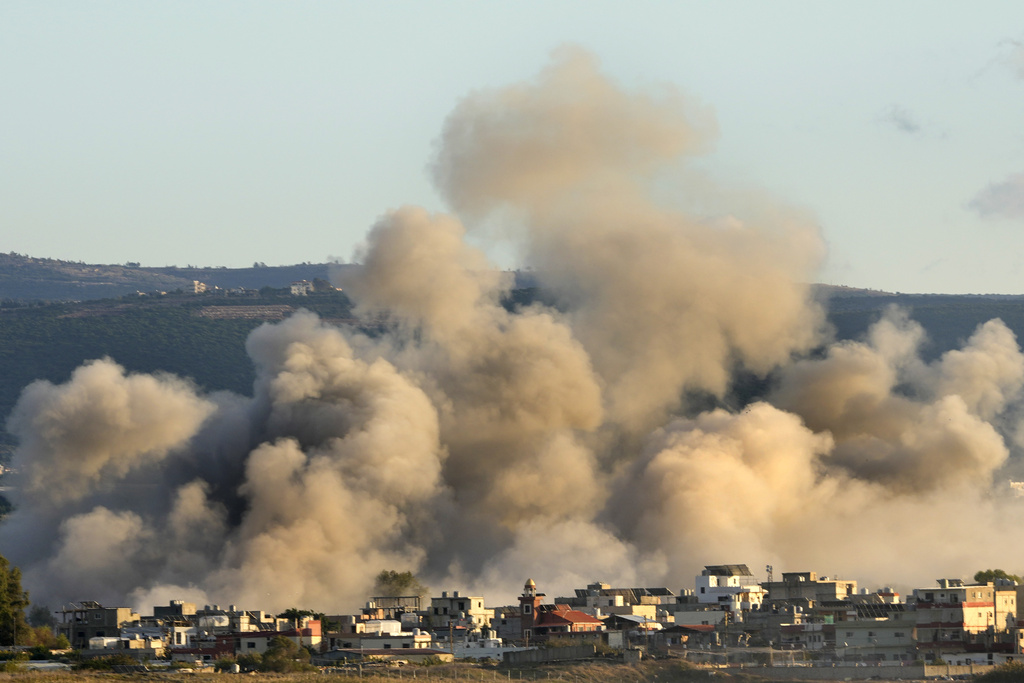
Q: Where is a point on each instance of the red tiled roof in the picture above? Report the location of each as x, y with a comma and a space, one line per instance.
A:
566, 616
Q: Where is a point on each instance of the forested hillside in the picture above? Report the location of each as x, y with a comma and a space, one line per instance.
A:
948, 319
25, 278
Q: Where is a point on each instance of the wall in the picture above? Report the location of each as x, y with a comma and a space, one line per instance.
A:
555, 654
840, 673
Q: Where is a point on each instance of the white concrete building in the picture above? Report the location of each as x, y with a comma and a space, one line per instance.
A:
462, 610
730, 586
301, 288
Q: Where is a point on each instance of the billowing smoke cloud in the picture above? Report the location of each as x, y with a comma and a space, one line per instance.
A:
478, 445
65, 431
934, 429
663, 300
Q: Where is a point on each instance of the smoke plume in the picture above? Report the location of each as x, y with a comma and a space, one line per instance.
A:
479, 444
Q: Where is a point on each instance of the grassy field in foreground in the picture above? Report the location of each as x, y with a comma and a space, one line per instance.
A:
589, 672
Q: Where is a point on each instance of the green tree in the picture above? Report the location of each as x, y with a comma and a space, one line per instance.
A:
390, 583
990, 575
250, 662
13, 601
284, 655
321, 285
224, 664
40, 615
295, 614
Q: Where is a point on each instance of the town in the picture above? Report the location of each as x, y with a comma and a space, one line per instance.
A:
727, 618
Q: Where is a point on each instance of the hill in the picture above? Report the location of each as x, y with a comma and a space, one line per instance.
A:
202, 337
25, 278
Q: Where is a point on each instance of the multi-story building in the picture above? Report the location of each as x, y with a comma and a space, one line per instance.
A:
599, 599
877, 640
87, 620
301, 288
959, 617
380, 635
806, 589
463, 610
730, 586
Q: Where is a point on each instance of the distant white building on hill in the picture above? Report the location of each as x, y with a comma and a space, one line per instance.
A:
301, 288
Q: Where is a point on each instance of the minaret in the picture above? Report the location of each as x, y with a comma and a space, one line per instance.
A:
529, 601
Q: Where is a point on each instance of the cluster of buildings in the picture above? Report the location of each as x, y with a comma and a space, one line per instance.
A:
297, 288
728, 616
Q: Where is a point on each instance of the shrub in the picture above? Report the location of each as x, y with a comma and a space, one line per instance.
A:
13, 655
39, 652
224, 665
1011, 672
250, 662
107, 663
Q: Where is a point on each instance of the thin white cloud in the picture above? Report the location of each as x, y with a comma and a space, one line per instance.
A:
1015, 60
1001, 200
900, 119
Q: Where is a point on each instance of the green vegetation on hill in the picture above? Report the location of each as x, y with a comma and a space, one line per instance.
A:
198, 337
948, 319
26, 279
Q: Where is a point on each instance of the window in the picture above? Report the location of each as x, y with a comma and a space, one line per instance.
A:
387, 646
527, 608
405, 644
462, 606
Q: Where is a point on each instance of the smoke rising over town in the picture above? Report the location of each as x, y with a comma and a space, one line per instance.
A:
600, 438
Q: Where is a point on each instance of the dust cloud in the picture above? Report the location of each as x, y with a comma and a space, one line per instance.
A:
478, 444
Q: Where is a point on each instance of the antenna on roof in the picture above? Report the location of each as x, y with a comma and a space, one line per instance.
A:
768, 568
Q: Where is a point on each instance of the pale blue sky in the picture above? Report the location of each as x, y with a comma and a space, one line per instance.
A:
223, 133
